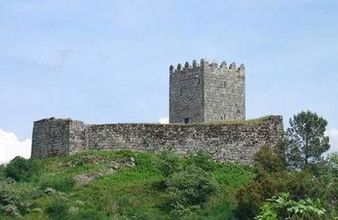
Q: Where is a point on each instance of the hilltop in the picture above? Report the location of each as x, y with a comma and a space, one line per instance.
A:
134, 185
122, 185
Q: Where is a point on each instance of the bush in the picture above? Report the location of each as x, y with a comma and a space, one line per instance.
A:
58, 209
249, 198
282, 207
8, 198
202, 160
300, 185
188, 183
169, 164
64, 184
269, 181
11, 203
267, 161
326, 174
189, 188
90, 214
21, 169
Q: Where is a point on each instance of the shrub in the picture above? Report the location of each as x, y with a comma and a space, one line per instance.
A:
58, 209
64, 184
300, 185
269, 181
202, 160
8, 198
282, 207
326, 174
21, 169
169, 164
90, 214
189, 188
272, 179
11, 202
249, 198
267, 161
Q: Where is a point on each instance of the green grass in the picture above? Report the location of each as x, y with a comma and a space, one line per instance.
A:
128, 193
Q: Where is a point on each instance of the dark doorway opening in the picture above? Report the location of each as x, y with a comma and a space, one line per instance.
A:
186, 120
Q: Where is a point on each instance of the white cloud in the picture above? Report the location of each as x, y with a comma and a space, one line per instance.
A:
163, 120
11, 146
333, 134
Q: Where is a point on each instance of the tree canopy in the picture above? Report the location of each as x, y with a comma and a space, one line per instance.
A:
306, 139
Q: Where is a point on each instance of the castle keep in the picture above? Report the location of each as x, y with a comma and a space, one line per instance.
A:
207, 109
206, 92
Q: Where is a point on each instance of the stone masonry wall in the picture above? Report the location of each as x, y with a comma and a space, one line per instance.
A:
234, 142
77, 136
50, 137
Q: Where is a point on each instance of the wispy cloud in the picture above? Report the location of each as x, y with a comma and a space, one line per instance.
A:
11, 146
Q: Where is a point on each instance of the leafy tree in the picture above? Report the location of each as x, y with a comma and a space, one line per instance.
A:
306, 139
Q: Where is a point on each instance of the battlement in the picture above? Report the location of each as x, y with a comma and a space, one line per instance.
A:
206, 65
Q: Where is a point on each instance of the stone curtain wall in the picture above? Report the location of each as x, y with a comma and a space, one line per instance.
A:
235, 142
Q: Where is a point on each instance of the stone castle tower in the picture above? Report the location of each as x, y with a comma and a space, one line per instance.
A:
206, 92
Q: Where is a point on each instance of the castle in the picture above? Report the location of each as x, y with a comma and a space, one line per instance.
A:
206, 112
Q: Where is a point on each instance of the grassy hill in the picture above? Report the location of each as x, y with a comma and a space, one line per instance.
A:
121, 185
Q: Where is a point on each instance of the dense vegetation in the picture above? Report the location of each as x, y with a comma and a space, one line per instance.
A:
121, 185
290, 181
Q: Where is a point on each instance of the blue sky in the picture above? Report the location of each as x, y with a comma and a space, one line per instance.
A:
107, 61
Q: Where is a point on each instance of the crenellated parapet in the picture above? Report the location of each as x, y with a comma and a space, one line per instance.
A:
206, 65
